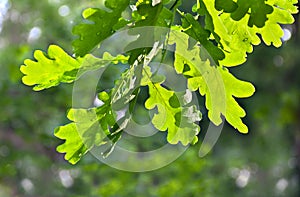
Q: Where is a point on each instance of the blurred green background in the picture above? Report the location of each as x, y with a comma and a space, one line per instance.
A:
264, 163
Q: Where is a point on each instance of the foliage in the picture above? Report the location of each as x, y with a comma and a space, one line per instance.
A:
59, 67
27, 145
226, 32
104, 24
219, 86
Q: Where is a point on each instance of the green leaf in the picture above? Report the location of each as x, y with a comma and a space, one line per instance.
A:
258, 12
237, 37
226, 5
73, 146
58, 67
228, 107
48, 69
125, 87
102, 25
227, 33
148, 15
195, 30
272, 32
219, 87
178, 120
89, 127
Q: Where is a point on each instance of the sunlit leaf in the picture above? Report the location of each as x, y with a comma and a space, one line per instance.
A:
55, 67
89, 128
196, 31
171, 116
238, 31
219, 87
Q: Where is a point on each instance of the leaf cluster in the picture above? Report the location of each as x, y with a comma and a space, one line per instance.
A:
216, 35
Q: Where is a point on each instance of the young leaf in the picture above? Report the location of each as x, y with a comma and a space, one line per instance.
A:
102, 26
236, 37
74, 145
48, 69
179, 121
58, 67
234, 88
214, 82
195, 30
89, 128
272, 32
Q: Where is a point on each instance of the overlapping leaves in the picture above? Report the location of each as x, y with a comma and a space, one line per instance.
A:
173, 112
126, 87
237, 30
219, 87
89, 128
148, 15
257, 10
228, 32
104, 24
195, 30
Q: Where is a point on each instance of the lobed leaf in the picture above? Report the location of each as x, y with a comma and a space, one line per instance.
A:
257, 10
57, 67
171, 116
231, 29
103, 24
89, 128
226, 5
74, 145
148, 15
194, 29
219, 87
238, 30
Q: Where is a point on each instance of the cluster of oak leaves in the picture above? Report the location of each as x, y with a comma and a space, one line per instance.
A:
226, 29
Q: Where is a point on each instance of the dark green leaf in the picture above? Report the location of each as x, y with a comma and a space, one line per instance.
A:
257, 9
226, 5
195, 30
102, 26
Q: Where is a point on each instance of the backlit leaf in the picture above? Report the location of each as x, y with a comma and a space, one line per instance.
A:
238, 31
178, 120
55, 67
219, 87
89, 128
